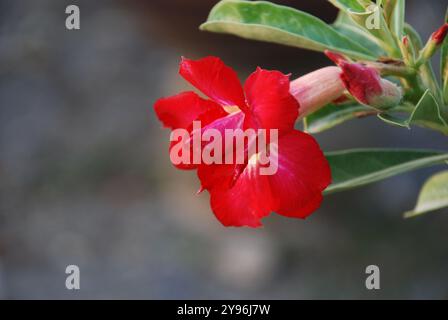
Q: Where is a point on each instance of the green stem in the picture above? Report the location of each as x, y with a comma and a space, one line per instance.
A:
391, 70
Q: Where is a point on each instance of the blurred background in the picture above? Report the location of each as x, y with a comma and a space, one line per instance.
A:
85, 176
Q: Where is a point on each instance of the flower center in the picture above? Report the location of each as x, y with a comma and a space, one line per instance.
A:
252, 162
231, 109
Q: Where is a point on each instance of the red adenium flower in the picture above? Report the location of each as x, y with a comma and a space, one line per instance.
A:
239, 194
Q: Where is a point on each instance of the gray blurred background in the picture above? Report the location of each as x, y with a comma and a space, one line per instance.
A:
85, 176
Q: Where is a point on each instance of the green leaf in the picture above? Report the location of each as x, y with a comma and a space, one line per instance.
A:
444, 70
355, 168
334, 114
433, 196
345, 25
426, 114
370, 17
394, 12
265, 21
356, 6
398, 17
388, 9
414, 37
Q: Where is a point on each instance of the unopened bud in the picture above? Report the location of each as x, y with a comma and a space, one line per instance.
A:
440, 34
405, 41
434, 42
365, 84
317, 89
407, 51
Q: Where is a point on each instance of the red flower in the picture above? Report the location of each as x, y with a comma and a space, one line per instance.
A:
239, 194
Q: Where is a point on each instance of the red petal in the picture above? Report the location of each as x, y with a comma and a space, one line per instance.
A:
222, 174
303, 173
295, 190
216, 119
270, 102
183, 166
180, 110
210, 116
231, 121
245, 203
216, 80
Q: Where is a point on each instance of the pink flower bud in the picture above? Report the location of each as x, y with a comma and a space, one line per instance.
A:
316, 89
365, 84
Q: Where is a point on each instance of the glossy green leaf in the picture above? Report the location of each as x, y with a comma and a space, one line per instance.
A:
356, 6
426, 114
345, 25
265, 21
355, 168
333, 115
414, 37
370, 17
388, 9
444, 70
433, 196
394, 12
